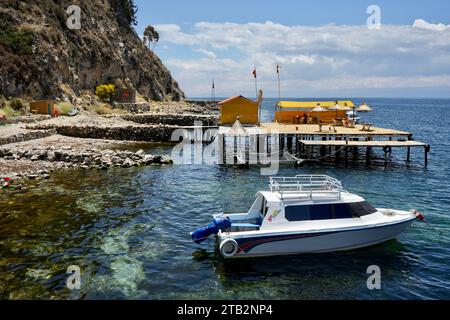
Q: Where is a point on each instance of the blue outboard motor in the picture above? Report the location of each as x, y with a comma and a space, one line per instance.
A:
213, 228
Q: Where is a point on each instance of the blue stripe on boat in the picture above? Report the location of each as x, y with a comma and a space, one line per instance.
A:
247, 244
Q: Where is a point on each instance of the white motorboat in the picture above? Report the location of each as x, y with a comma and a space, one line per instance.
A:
305, 214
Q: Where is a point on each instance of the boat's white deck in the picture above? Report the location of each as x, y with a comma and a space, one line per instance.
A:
372, 220
276, 198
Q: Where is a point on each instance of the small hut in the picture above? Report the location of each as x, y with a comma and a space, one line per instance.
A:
43, 107
238, 107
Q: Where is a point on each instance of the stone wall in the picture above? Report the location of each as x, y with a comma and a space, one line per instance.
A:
151, 133
25, 136
28, 119
133, 107
172, 119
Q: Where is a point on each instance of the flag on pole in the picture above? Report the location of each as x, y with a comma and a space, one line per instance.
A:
254, 73
278, 68
213, 86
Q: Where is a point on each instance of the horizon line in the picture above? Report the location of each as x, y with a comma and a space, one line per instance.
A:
328, 98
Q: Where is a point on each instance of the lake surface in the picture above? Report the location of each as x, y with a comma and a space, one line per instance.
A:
128, 229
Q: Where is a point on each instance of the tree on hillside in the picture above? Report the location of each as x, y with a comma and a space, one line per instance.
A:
151, 37
127, 10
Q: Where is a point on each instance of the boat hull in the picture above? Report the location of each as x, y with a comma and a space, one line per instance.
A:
315, 242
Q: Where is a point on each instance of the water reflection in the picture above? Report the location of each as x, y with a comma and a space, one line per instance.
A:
317, 276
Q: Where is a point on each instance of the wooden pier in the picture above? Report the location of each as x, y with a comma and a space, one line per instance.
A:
385, 145
302, 141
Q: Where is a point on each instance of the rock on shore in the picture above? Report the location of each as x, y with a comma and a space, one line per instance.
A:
36, 159
89, 158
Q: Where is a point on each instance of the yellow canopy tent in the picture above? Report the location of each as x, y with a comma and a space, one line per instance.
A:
289, 111
313, 104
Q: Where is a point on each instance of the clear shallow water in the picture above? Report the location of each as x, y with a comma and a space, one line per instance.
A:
128, 229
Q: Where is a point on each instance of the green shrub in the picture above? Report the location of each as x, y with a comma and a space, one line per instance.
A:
105, 91
9, 112
16, 104
64, 108
101, 109
16, 41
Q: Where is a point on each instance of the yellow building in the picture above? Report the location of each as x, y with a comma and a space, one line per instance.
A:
43, 107
238, 106
290, 111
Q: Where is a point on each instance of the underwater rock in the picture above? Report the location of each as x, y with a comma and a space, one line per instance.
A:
46, 159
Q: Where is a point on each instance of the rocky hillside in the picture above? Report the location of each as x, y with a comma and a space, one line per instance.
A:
42, 58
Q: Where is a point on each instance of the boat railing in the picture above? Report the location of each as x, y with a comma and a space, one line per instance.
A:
306, 186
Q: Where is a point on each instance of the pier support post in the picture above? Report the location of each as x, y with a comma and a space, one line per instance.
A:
408, 155
337, 153
257, 137
235, 148
386, 149
323, 149
289, 143
368, 152
427, 149
347, 149
281, 143
263, 152
220, 149
355, 151
253, 148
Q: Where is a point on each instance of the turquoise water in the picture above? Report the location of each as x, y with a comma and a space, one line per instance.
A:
128, 229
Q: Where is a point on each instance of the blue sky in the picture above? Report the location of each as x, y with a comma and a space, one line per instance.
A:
324, 47
289, 12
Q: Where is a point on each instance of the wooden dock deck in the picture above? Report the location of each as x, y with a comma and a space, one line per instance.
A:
302, 140
377, 143
313, 129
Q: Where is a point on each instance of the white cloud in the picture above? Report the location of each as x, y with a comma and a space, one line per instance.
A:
175, 33
207, 53
313, 59
422, 24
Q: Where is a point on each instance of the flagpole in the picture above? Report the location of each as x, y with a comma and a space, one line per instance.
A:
279, 83
213, 94
256, 82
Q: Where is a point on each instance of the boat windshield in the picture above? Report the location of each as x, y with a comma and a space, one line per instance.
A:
328, 211
264, 208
